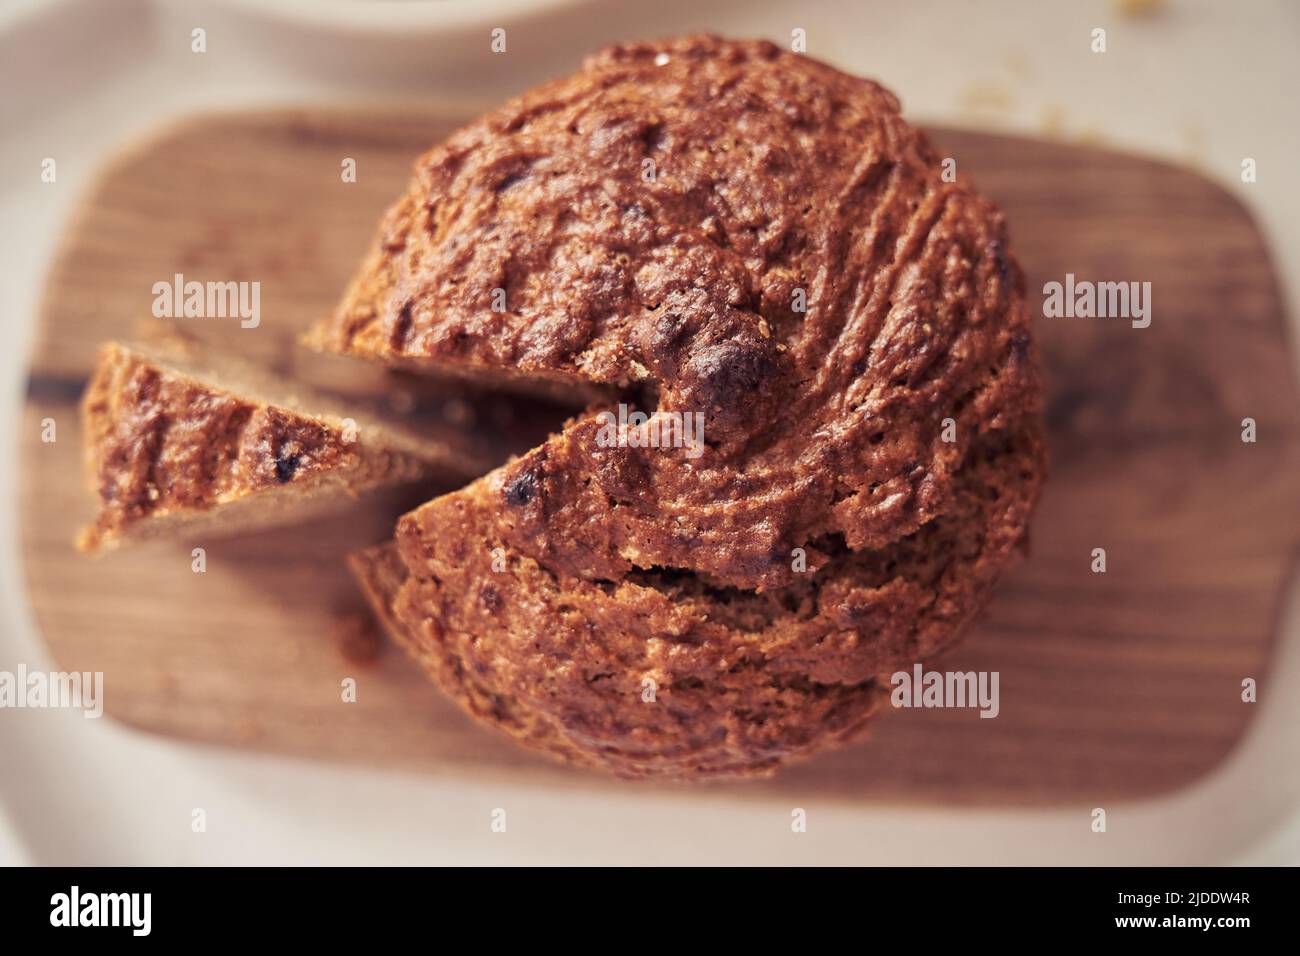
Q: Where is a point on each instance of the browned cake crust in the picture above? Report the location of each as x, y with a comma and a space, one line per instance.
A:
176, 439
381, 574
828, 533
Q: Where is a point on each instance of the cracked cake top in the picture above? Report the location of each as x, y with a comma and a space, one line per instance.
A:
724, 228
719, 229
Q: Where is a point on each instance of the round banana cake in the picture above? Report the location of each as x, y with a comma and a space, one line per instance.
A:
813, 434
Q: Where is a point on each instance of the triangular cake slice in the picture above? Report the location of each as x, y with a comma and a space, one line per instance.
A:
177, 438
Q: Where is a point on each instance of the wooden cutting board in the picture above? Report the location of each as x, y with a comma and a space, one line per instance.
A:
1115, 685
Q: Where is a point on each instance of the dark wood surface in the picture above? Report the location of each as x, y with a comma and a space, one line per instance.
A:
1116, 685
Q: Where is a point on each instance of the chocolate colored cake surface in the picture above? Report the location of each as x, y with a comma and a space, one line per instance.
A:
727, 234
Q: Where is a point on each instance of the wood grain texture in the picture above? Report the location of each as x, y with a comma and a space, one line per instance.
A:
1116, 685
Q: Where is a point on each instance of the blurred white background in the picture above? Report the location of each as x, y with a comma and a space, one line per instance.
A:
1197, 81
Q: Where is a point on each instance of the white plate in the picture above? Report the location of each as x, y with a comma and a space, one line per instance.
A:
400, 17
82, 791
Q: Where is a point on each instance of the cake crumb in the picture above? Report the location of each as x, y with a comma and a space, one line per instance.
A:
1051, 120
358, 639
1138, 8
246, 729
987, 97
